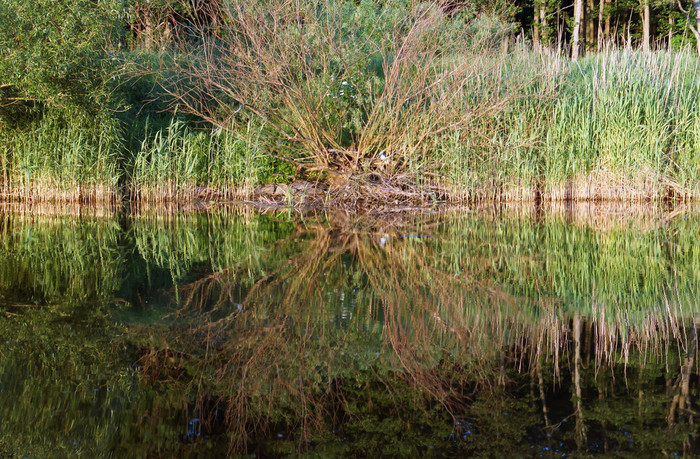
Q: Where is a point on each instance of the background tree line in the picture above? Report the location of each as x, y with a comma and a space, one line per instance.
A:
59, 52
587, 26
583, 25
58, 42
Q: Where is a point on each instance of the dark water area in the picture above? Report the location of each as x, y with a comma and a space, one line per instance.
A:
512, 331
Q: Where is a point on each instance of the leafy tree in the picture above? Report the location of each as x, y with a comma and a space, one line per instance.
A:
52, 52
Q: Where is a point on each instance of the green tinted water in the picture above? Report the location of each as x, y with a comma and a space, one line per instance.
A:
556, 333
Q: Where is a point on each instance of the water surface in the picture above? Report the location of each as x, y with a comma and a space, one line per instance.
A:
548, 332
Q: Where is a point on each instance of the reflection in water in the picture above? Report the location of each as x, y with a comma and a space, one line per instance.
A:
454, 333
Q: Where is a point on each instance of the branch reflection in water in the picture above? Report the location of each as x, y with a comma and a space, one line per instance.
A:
348, 325
557, 330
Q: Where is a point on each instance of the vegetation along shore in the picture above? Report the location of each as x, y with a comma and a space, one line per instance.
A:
332, 102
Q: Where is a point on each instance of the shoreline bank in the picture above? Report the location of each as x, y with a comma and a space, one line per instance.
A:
368, 195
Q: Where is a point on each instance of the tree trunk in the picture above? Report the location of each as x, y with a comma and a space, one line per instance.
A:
560, 30
536, 29
695, 28
590, 24
671, 23
608, 16
646, 26
601, 12
544, 33
576, 36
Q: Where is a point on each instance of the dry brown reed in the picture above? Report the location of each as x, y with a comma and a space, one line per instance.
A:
170, 193
52, 209
43, 192
597, 186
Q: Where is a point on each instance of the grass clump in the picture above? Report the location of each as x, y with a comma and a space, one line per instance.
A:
181, 161
620, 125
360, 93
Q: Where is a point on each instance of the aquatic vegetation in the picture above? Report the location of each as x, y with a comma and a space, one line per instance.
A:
65, 386
432, 325
180, 162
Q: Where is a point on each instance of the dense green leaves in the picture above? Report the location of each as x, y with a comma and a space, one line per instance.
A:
54, 52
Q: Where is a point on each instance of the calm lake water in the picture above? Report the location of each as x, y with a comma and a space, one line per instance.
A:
559, 332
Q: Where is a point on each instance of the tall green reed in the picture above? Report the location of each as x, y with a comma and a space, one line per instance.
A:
62, 157
618, 125
627, 123
179, 161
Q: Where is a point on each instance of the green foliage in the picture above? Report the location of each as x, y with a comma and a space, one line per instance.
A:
173, 160
455, 111
60, 138
54, 51
630, 114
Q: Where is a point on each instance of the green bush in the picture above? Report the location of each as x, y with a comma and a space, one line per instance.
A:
54, 52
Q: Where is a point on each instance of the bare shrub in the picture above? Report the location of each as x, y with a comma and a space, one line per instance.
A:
352, 91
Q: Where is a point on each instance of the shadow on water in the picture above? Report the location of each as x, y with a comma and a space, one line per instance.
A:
553, 332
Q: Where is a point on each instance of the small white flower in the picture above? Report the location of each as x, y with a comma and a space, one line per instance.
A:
383, 240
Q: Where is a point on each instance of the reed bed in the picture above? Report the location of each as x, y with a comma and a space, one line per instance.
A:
182, 163
626, 123
76, 161
620, 125
62, 158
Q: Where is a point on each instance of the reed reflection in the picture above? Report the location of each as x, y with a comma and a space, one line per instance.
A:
557, 331
357, 326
